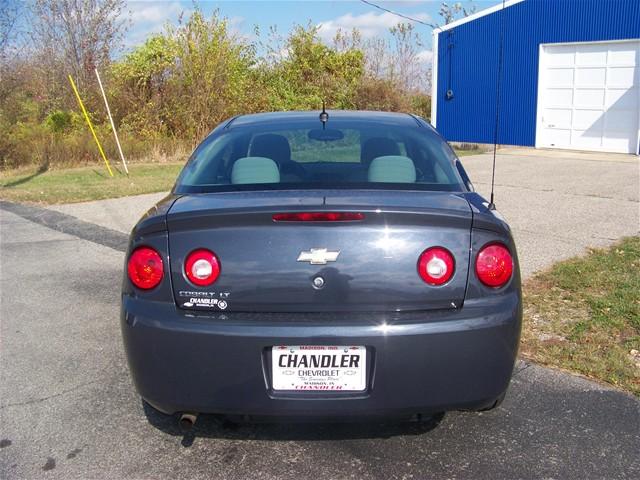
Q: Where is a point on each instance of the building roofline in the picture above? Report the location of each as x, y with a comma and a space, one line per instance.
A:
475, 16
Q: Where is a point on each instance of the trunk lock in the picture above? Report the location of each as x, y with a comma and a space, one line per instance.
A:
318, 282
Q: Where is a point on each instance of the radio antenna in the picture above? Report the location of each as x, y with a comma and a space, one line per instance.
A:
324, 116
492, 205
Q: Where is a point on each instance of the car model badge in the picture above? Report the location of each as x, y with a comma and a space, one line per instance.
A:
318, 256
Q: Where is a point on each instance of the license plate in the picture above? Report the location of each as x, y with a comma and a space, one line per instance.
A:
319, 367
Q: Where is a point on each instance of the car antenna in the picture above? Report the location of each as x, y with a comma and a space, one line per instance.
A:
492, 205
324, 116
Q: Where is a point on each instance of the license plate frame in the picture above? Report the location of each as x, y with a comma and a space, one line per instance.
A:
327, 368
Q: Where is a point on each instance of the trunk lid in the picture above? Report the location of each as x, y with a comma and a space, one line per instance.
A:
375, 269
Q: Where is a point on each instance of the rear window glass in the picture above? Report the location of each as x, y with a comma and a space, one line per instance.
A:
305, 155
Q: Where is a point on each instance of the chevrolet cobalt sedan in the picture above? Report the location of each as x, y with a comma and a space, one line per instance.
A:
322, 264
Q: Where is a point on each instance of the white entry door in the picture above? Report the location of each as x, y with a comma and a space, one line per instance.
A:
589, 96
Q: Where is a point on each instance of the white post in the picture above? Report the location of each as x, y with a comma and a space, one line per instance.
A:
115, 133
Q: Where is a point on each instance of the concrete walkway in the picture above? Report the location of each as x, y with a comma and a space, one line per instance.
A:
119, 214
558, 203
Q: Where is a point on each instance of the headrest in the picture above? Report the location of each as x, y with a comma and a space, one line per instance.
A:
254, 170
377, 147
392, 169
270, 145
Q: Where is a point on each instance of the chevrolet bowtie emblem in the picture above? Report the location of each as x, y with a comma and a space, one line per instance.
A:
318, 256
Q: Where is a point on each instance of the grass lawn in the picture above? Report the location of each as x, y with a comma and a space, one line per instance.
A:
85, 183
584, 315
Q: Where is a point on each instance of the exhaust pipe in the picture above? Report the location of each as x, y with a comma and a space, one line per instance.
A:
187, 421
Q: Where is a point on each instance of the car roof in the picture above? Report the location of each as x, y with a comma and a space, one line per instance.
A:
346, 115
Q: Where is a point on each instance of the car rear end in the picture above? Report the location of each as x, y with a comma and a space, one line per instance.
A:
315, 298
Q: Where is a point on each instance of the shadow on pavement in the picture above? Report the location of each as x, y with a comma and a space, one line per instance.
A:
223, 427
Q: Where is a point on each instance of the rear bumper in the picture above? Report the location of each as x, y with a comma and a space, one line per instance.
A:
420, 362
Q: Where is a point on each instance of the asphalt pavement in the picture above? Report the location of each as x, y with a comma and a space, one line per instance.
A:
68, 408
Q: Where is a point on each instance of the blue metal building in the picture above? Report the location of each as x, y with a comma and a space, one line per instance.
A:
570, 75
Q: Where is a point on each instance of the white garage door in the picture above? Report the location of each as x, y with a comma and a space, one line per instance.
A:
589, 96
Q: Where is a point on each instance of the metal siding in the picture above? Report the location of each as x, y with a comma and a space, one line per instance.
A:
468, 61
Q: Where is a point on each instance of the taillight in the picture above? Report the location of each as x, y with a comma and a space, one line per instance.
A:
202, 267
494, 265
145, 268
436, 266
318, 217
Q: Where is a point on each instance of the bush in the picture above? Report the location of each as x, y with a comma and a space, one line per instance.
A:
421, 105
59, 121
30, 144
379, 94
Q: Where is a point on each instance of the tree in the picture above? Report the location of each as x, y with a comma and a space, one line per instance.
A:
139, 85
9, 31
212, 75
393, 60
11, 37
187, 79
74, 37
450, 13
405, 69
375, 50
310, 71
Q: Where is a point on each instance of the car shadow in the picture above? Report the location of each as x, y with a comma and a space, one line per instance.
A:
231, 428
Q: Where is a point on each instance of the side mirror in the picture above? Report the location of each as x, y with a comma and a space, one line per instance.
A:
465, 177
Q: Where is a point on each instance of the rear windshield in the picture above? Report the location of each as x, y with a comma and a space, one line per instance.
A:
343, 154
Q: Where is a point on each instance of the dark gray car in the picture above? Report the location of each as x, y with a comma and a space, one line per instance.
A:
307, 265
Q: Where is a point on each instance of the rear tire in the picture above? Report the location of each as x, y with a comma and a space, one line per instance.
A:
158, 418
428, 421
149, 408
498, 401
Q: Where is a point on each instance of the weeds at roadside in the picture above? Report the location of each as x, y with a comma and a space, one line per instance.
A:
584, 315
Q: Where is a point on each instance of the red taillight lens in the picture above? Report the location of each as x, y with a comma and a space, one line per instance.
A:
145, 268
318, 217
202, 267
436, 266
494, 265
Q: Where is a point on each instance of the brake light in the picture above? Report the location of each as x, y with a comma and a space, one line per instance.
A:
436, 266
318, 217
145, 268
494, 265
202, 267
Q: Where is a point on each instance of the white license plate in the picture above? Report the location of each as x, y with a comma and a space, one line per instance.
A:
319, 367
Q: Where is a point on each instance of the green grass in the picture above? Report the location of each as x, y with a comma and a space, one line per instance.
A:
348, 154
584, 315
85, 183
